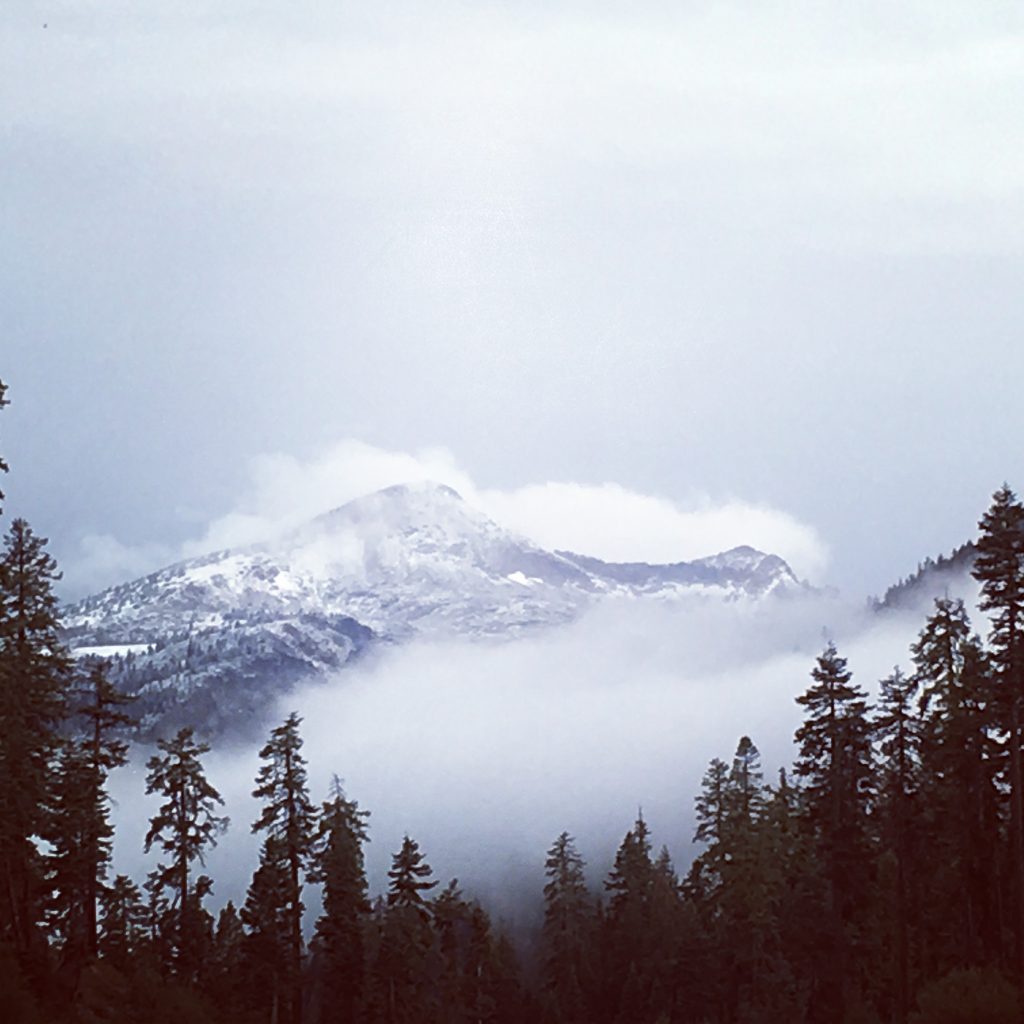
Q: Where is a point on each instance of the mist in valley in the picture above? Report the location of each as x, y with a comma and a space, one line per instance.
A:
485, 751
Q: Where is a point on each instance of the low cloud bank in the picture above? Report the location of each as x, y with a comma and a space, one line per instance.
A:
484, 752
604, 520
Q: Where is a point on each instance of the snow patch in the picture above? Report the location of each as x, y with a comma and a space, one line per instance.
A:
108, 650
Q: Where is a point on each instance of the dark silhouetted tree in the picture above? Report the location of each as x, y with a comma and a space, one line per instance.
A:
959, 802
999, 568
627, 922
338, 867
404, 986
184, 826
567, 932
80, 831
34, 677
289, 818
123, 920
898, 732
268, 968
835, 764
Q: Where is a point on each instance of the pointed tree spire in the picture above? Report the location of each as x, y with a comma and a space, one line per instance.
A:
289, 819
566, 930
835, 764
409, 876
338, 867
999, 568
184, 826
35, 674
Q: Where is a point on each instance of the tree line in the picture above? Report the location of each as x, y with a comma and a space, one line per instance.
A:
879, 879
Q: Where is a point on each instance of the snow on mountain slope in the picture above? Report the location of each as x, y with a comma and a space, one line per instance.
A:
214, 639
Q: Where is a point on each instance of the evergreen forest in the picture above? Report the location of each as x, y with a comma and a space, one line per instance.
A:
878, 879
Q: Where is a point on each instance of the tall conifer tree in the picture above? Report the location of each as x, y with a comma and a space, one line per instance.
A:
567, 930
76, 834
999, 568
269, 984
835, 764
34, 676
338, 867
104, 749
959, 795
288, 818
122, 924
627, 925
184, 826
898, 731
404, 988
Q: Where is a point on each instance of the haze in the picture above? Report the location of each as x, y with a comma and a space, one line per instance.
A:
484, 752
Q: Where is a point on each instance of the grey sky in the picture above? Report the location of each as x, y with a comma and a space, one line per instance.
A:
768, 252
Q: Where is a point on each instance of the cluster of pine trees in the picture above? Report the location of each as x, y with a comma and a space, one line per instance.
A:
880, 880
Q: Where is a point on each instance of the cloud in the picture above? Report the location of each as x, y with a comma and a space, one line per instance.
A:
617, 524
285, 491
534, 98
603, 520
102, 559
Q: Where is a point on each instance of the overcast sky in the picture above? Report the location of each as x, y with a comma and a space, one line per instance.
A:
757, 259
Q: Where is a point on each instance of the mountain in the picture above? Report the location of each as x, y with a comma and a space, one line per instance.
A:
213, 640
934, 577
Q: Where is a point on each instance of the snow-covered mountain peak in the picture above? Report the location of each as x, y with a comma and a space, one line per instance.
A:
412, 560
740, 558
403, 510
424, 529
413, 499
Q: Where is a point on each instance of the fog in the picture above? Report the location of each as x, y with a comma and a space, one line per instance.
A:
484, 752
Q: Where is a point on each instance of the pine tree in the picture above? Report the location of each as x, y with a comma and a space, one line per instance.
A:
746, 784
409, 876
999, 568
959, 796
566, 932
75, 833
751, 882
122, 924
480, 970
225, 980
835, 763
290, 819
712, 814
667, 932
404, 986
34, 675
80, 831
265, 915
629, 884
898, 732
183, 827
514, 1004
338, 867
739, 882
450, 917
792, 887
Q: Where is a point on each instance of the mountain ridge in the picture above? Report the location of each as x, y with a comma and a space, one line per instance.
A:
219, 636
